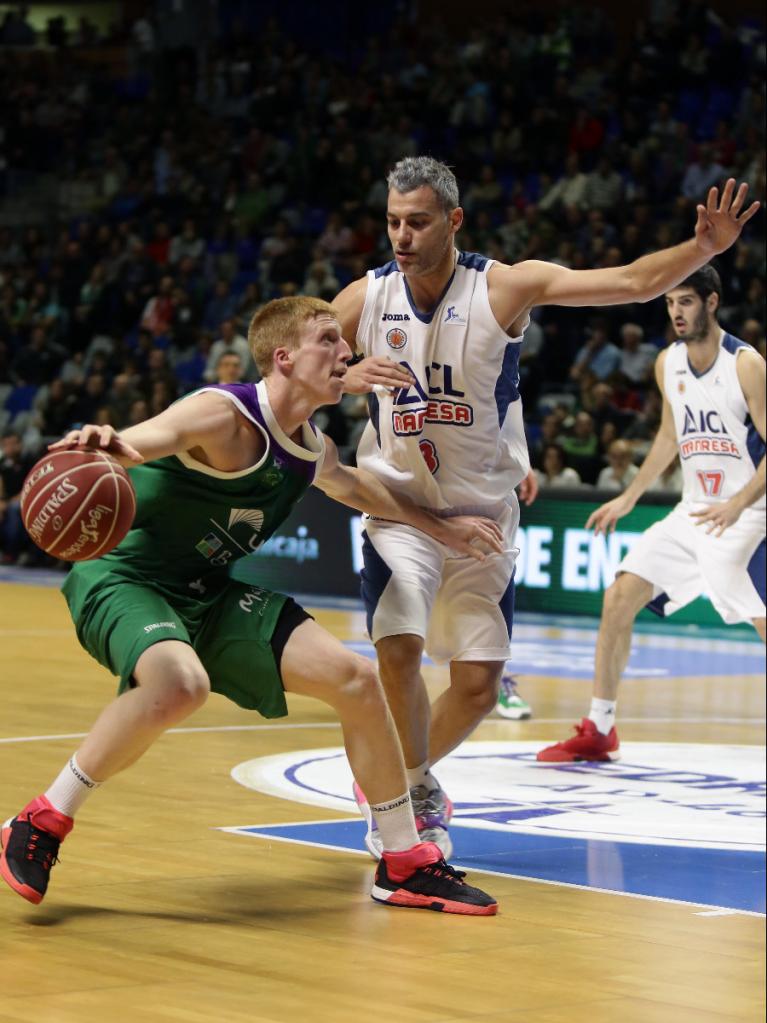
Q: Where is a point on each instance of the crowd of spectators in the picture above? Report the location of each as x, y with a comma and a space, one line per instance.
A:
156, 189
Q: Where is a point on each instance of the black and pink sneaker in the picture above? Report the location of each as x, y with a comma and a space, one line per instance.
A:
419, 878
29, 847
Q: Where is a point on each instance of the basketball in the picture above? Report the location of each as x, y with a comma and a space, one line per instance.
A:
77, 504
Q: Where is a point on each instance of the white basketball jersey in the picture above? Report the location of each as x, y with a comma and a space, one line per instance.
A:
719, 447
456, 438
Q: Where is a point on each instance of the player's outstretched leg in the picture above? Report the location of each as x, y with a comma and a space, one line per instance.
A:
171, 685
411, 873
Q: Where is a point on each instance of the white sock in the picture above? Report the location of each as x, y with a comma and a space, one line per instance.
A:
71, 788
396, 823
602, 713
421, 775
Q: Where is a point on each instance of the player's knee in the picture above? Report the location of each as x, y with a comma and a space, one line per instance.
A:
185, 689
621, 603
360, 683
400, 656
482, 698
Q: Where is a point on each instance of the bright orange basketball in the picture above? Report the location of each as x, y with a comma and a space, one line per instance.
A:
77, 504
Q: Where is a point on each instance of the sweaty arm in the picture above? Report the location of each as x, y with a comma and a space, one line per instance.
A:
207, 424
512, 289
357, 488
660, 455
750, 368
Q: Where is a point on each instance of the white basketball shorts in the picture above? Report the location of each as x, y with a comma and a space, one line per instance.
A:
460, 607
682, 561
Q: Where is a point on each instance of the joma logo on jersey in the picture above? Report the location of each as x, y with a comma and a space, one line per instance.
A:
702, 422
406, 424
394, 317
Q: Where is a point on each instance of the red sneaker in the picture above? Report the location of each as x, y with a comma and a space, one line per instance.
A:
29, 846
588, 743
419, 878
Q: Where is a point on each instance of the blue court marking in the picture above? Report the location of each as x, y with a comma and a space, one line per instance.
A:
572, 658
720, 879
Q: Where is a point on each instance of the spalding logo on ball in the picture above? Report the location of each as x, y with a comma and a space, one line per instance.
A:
77, 504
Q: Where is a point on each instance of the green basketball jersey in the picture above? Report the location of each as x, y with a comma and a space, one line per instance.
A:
192, 521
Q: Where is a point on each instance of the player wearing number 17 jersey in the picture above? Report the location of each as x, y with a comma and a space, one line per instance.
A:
713, 388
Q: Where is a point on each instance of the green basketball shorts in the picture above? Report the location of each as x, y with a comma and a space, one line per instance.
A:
118, 619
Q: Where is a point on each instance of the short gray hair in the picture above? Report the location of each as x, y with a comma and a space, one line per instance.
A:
415, 171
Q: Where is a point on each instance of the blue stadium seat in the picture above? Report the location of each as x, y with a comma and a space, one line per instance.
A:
721, 102
689, 106
241, 280
533, 186
20, 399
314, 219
706, 128
189, 372
507, 181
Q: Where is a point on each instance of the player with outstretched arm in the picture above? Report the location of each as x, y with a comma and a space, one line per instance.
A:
215, 475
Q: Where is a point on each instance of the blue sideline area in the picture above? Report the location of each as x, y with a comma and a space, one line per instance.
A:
720, 879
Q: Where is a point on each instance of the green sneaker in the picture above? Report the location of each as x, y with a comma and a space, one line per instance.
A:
510, 703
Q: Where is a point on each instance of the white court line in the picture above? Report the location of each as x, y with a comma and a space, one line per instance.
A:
715, 911
334, 724
182, 731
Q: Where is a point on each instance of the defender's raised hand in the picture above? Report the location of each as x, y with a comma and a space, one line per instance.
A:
720, 223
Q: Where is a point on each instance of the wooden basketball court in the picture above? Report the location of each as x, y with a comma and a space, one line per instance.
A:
156, 915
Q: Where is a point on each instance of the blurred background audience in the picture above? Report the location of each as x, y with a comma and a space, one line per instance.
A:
162, 177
